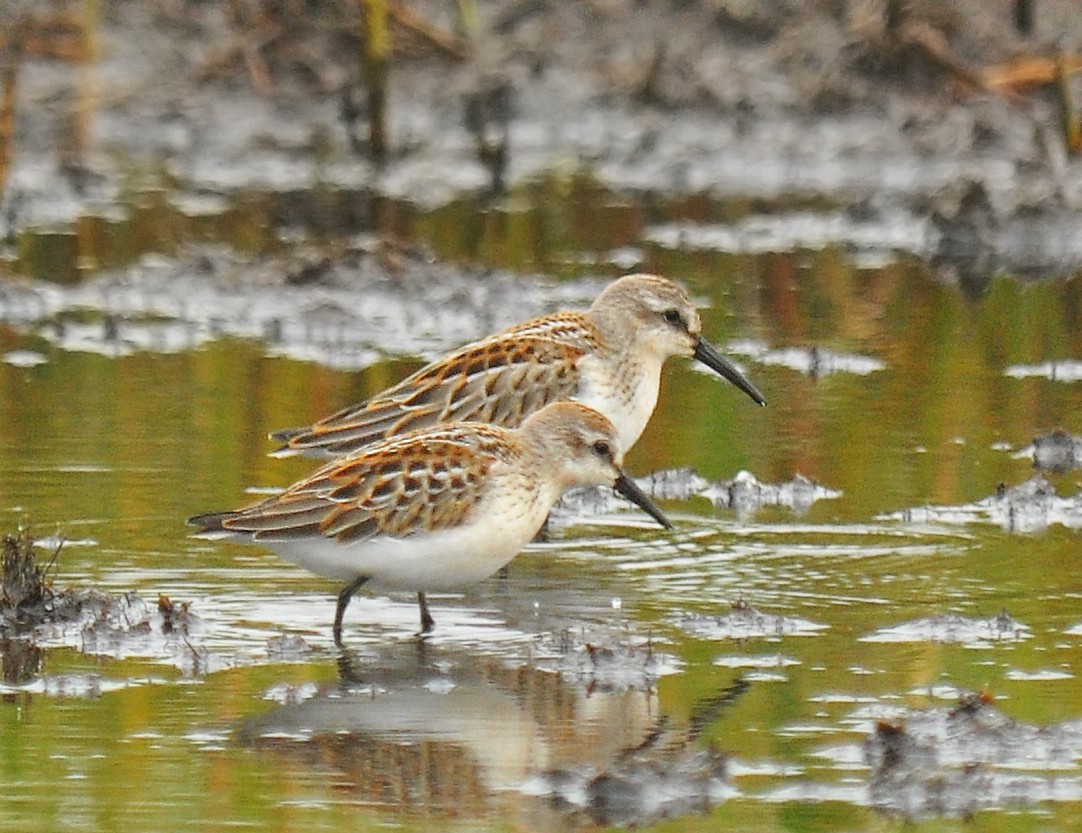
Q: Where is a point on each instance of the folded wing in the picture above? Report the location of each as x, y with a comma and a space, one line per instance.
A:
499, 381
414, 485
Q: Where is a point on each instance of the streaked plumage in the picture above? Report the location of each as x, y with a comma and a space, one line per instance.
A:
608, 357
434, 509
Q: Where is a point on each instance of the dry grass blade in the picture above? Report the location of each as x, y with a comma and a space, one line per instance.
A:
1031, 71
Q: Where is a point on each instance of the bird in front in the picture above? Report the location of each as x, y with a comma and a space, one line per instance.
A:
434, 509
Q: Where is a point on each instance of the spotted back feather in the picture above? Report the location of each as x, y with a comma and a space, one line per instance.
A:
500, 380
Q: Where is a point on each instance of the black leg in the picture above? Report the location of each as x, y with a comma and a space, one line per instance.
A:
343, 602
427, 622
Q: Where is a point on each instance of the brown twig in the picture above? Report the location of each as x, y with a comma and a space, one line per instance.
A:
1068, 112
446, 42
1031, 71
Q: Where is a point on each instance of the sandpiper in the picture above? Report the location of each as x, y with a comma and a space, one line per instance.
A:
437, 508
608, 357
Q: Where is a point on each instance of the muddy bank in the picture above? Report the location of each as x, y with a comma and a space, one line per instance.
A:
350, 309
899, 116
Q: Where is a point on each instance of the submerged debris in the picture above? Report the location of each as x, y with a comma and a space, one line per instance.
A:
956, 761
1031, 506
745, 622
953, 628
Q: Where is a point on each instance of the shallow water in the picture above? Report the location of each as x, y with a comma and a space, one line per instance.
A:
613, 650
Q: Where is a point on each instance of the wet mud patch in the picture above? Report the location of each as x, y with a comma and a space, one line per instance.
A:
954, 628
744, 493
73, 685
747, 495
289, 648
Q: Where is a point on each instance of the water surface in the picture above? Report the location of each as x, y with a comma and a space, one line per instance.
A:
612, 643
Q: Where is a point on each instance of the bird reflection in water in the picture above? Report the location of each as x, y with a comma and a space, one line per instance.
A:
424, 728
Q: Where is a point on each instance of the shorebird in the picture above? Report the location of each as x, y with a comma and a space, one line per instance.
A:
608, 357
434, 509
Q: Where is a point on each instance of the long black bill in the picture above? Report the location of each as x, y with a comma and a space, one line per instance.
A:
626, 487
708, 354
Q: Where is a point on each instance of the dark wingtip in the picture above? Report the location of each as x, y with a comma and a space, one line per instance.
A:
210, 522
284, 435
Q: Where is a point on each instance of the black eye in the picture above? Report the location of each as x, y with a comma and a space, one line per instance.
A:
602, 449
674, 317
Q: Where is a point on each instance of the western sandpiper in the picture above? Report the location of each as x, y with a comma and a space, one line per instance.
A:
608, 357
434, 509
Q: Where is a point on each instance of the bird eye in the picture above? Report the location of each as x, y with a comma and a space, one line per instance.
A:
674, 317
602, 449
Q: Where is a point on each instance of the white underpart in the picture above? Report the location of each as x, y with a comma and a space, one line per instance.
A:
627, 395
504, 521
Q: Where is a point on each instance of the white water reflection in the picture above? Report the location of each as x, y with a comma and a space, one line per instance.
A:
814, 361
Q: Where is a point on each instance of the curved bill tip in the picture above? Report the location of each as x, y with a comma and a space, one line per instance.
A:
709, 355
626, 486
